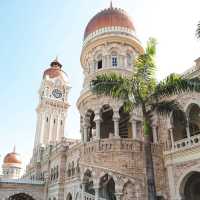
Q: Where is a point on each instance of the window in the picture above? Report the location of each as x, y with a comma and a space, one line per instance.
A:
129, 59
99, 64
114, 61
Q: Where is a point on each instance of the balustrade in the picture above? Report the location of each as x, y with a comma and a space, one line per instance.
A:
185, 143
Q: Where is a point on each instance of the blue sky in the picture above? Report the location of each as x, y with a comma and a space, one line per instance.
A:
34, 32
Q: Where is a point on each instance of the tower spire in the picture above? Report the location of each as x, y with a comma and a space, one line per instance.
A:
111, 5
14, 149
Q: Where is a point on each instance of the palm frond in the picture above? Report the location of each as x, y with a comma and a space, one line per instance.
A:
166, 107
198, 31
113, 85
175, 84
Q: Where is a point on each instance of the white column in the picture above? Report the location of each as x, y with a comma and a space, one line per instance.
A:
57, 134
155, 137
83, 191
116, 118
171, 137
43, 121
188, 130
82, 136
51, 124
85, 133
172, 185
96, 189
98, 120
134, 129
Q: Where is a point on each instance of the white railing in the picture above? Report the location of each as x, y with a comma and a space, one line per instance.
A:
88, 196
187, 142
22, 181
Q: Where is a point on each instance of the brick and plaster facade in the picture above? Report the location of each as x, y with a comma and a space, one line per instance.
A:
108, 163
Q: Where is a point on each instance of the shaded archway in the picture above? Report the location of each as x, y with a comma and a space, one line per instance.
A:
189, 188
91, 124
21, 196
88, 182
69, 196
107, 187
125, 130
194, 119
107, 124
179, 125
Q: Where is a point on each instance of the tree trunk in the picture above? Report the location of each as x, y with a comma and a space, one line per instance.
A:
151, 188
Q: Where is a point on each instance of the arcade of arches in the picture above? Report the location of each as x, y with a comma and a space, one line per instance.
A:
20, 196
107, 123
105, 188
185, 124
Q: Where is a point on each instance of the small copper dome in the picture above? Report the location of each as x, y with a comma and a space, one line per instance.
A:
55, 71
12, 158
111, 17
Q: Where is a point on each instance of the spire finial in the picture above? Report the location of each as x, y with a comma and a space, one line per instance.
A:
14, 149
111, 5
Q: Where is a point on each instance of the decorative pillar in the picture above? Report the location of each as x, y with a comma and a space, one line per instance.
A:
188, 131
51, 124
96, 189
171, 137
82, 134
155, 137
98, 120
83, 191
118, 196
116, 118
85, 133
134, 128
43, 121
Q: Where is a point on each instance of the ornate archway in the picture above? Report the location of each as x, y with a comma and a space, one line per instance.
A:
69, 196
189, 188
21, 196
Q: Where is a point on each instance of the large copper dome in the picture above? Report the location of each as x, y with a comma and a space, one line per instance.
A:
12, 158
111, 17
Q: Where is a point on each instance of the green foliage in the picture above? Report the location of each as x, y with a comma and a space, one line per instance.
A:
175, 84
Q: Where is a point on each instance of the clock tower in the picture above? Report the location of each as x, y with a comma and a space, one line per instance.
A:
53, 106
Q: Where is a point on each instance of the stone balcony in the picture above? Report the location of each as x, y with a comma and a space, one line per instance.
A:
183, 144
183, 150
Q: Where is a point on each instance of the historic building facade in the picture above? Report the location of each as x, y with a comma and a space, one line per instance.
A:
108, 163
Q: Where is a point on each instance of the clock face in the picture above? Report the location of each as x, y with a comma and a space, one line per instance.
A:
57, 93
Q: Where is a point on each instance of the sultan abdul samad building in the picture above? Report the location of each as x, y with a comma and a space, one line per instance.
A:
108, 163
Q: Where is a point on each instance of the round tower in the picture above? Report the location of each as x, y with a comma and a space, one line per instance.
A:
110, 45
12, 165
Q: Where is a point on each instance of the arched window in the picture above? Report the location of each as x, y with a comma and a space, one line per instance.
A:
129, 60
114, 59
99, 62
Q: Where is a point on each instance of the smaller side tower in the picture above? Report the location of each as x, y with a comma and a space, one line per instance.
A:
12, 165
53, 106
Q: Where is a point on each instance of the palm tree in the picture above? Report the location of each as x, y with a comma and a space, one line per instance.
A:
142, 90
198, 30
